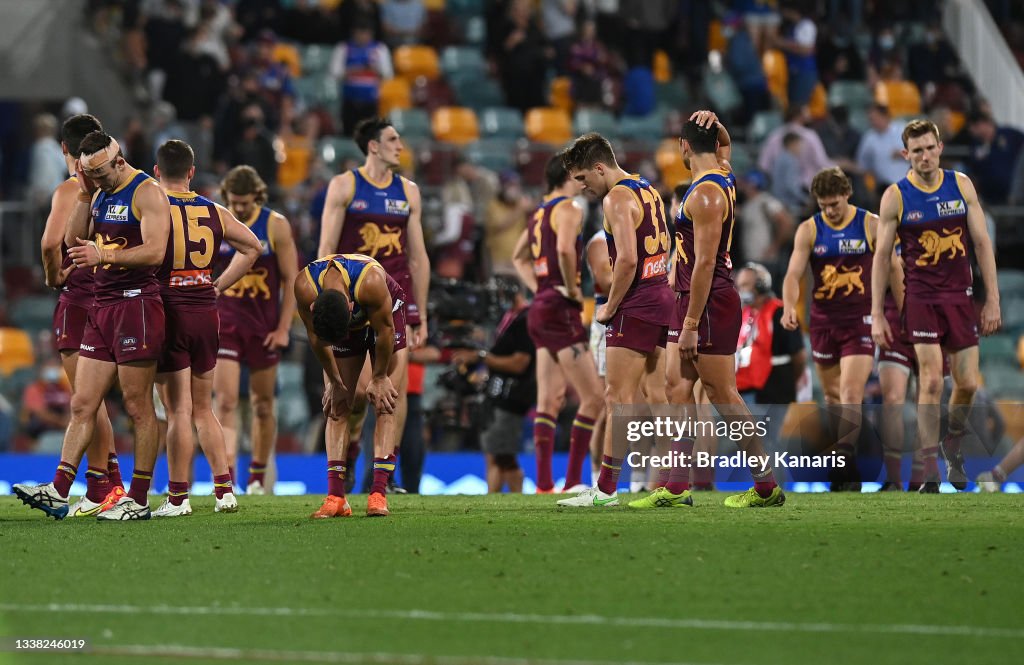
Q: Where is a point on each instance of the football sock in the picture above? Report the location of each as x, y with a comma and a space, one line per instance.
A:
222, 485
63, 478
382, 468
114, 471
579, 446
611, 467
139, 491
335, 477
176, 492
97, 485
257, 472
544, 444
679, 473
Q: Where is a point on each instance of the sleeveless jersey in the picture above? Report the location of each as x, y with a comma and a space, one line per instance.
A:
892, 310
933, 232
197, 232
376, 222
722, 276
353, 267
544, 247
252, 304
116, 224
648, 298
78, 288
841, 264
600, 297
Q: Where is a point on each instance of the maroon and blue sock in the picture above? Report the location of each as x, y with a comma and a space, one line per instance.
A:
114, 471
176, 492
139, 491
222, 485
544, 445
257, 472
97, 485
335, 477
62, 479
383, 467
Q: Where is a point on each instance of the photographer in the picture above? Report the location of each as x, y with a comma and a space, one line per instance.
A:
511, 391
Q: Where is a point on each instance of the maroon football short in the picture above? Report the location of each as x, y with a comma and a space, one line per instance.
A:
246, 348
629, 332
191, 339
69, 325
851, 338
679, 307
899, 351
719, 328
555, 322
128, 331
954, 325
412, 311
363, 340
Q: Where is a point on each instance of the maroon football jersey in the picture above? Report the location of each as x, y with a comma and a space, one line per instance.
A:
544, 247
197, 230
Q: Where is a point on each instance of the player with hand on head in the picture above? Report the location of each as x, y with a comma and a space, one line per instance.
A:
353, 309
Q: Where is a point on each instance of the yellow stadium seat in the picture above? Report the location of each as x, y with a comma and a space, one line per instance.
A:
775, 70
548, 125
902, 97
588, 310
560, 94
395, 93
15, 350
819, 102
434, 5
957, 119
1020, 350
415, 61
662, 67
455, 124
289, 55
716, 37
670, 164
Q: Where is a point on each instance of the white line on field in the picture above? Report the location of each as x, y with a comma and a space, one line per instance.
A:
510, 617
273, 655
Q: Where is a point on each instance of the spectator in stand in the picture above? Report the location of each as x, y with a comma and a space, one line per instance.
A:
359, 66
588, 67
311, 22
839, 138
361, 13
799, 44
47, 168
506, 219
744, 64
762, 20
839, 58
165, 32
643, 22
465, 198
559, 20
256, 146
275, 80
933, 60
46, 405
243, 91
995, 152
195, 81
216, 28
403, 21
786, 184
812, 159
766, 227
881, 149
523, 58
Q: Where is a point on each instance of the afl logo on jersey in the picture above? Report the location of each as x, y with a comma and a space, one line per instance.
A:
359, 204
915, 216
820, 250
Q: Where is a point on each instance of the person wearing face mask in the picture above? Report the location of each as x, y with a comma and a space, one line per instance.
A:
46, 405
770, 358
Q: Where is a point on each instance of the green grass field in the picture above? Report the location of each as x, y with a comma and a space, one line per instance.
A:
828, 579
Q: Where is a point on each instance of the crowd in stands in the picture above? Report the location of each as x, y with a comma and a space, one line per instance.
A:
482, 92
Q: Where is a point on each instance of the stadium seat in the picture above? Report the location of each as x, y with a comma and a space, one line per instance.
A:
395, 93
662, 67
998, 349
1012, 309
455, 124
642, 128
957, 120
1010, 282
1020, 351
716, 36
560, 93
15, 350
434, 5
477, 91
411, 123
741, 159
432, 94
818, 106
902, 97
722, 91
465, 7
319, 90
496, 154
33, 312
460, 60
854, 95
548, 125
590, 120
672, 95
762, 125
333, 150
670, 163
1002, 381
773, 62
316, 58
289, 55
413, 62
501, 122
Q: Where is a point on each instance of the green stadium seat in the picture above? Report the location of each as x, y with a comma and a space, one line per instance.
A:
762, 124
999, 348
741, 159
501, 122
649, 128
316, 58
458, 60
674, 94
464, 8
496, 153
335, 149
851, 94
1003, 381
412, 123
319, 90
1011, 282
722, 91
590, 120
476, 90
33, 313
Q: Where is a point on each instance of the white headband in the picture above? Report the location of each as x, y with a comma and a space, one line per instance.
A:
101, 157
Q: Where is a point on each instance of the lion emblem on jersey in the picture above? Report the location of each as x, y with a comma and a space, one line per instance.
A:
110, 243
252, 285
935, 246
834, 279
680, 251
379, 241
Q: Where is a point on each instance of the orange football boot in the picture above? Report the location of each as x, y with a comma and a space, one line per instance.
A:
334, 506
377, 505
113, 496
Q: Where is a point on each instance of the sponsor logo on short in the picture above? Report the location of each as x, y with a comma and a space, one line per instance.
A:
896, 355
853, 246
86, 347
116, 212
915, 216
824, 356
131, 293
947, 208
867, 320
396, 207
820, 250
125, 341
230, 353
925, 334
